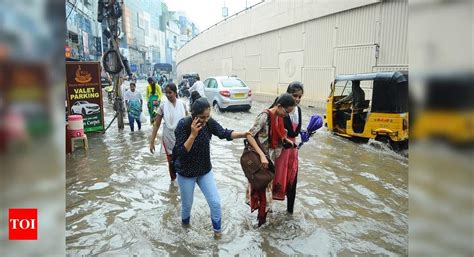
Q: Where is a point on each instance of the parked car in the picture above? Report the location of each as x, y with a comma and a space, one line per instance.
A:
225, 93
85, 108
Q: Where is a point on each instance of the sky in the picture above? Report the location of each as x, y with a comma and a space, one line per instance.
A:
205, 13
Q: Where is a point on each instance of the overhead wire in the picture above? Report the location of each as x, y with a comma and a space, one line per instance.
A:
72, 8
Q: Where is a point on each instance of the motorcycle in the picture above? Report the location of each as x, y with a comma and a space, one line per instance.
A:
183, 90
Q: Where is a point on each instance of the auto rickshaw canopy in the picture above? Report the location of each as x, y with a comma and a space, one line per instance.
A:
390, 90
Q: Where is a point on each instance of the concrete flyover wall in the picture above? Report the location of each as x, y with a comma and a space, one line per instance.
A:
280, 41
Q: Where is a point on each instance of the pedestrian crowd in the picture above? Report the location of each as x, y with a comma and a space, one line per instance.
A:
185, 141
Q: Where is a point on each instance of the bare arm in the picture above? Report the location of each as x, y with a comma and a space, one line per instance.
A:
156, 127
189, 143
192, 88
346, 98
185, 109
236, 134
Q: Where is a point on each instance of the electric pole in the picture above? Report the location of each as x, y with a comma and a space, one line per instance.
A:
113, 62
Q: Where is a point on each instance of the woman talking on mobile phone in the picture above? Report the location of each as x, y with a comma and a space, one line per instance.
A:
192, 160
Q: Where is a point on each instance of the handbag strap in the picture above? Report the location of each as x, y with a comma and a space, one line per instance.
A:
246, 144
269, 132
270, 163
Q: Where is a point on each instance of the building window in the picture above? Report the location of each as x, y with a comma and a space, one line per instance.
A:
73, 37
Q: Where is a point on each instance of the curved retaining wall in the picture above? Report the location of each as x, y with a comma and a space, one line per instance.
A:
280, 41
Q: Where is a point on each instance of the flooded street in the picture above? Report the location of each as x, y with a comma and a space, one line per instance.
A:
352, 199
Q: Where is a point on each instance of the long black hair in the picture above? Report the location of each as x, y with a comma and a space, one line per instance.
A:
194, 96
199, 106
294, 87
285, 100
172, 87
153, 85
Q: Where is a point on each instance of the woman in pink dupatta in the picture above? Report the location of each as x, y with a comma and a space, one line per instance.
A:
286, 165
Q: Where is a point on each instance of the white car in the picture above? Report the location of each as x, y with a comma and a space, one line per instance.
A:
227, 93
85, 108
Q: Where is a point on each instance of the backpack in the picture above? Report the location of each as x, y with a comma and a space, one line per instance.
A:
134, 108
258, 176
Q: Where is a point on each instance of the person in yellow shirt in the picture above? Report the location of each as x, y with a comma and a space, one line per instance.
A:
153, 96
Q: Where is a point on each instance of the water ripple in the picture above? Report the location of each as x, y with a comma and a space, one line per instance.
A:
352, 199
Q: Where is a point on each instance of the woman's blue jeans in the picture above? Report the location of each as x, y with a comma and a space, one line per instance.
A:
207, 184
131, 121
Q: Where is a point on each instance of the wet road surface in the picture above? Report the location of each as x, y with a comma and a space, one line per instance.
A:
352, 199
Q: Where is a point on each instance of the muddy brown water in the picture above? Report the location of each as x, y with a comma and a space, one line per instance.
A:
352, 199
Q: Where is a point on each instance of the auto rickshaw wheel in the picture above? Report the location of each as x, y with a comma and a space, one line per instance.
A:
394, 145
384, 140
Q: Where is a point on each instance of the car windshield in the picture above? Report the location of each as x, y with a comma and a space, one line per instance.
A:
231, 82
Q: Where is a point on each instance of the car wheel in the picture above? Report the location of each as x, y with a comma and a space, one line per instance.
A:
216, 106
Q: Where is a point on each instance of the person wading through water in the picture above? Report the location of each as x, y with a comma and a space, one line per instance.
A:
134, 103
192, 160
171, 111
286, 165
269, 128
153, 97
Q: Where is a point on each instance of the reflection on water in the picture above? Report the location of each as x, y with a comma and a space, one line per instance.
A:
351, 199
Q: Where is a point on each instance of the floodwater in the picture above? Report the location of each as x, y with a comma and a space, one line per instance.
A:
352, 199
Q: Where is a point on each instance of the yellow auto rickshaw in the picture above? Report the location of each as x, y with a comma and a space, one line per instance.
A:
445, 110
370, 106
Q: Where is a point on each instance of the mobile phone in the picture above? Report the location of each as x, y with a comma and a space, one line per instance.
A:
199, 121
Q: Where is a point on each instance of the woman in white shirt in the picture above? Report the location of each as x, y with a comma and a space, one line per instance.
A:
171, 111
